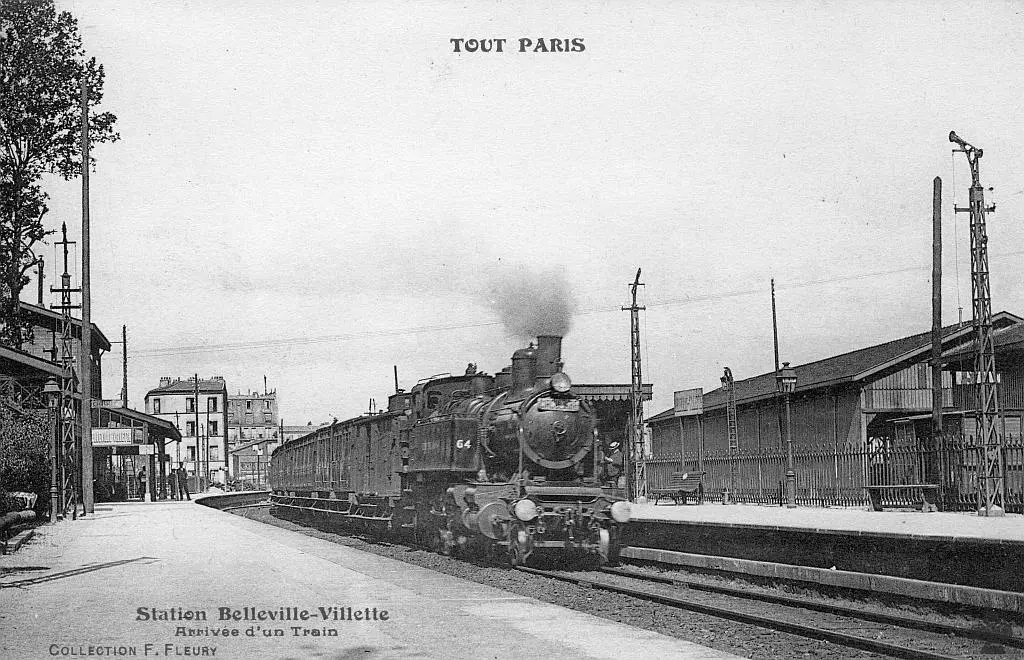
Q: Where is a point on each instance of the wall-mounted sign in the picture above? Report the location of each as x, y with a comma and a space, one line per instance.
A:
117, 437
689, 402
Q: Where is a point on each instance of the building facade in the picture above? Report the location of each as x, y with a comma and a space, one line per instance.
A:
870, 407
203, 450
252, 416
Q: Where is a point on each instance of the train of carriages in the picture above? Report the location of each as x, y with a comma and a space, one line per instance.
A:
471, 462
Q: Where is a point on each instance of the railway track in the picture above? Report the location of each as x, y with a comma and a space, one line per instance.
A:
841, 626
889, 634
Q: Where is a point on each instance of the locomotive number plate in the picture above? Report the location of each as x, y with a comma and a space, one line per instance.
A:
566, 405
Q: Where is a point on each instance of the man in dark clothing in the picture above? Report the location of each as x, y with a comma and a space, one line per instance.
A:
183, 482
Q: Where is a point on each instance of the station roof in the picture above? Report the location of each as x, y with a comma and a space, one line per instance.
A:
53, 318
610, 392
25, 365
159, 427
188, 386
865, 364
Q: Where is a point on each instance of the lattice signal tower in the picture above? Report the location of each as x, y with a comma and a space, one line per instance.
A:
990, 475
637, 475
730, 386
70, 474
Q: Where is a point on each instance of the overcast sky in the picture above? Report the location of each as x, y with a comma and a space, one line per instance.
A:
316, 191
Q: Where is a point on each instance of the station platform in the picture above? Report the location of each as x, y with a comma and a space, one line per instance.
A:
175, 579
952, 557
903, 524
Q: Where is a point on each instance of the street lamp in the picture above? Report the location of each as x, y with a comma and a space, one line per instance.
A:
786, 381
52, 393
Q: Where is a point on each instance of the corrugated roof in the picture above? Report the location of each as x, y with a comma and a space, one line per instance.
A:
850, 366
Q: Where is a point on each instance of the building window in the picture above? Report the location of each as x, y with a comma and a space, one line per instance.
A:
214, 453
211, 404
266, 404
190, 428
156, 406
248, 405
213, 428
191, 454
190, 405
268, 417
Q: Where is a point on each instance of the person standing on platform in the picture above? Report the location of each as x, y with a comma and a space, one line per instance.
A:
142, 483
183, 483
172, 484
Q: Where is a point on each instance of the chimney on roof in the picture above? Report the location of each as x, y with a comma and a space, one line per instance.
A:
165, 381
219, 379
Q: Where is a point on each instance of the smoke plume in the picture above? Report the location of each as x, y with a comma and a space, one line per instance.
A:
531, 303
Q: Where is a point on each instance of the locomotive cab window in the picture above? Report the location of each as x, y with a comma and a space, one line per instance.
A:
433, 399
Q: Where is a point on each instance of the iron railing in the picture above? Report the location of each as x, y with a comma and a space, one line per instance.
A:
839, 476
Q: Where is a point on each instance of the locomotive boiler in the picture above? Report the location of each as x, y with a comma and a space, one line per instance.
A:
470, 461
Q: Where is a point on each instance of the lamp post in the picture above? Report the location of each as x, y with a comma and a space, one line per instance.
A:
52, 393
786, 381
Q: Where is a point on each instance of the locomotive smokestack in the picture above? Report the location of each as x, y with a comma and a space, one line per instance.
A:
549, 355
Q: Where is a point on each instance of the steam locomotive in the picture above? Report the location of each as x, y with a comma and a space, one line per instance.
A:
465, 463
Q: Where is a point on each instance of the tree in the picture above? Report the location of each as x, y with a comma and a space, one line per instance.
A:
42, 64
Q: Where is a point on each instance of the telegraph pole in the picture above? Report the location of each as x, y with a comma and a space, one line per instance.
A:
85, 357
636, 477
932, 473
199, 447
990, 475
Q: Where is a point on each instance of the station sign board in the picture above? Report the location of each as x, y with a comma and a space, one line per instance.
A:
689, 402
117, 437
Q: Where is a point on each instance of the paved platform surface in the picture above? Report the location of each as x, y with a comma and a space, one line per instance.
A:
111, 585
1009, 528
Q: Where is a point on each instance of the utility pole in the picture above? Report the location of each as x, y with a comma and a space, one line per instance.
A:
932, 473
69, 462
636, 477
990, 475
124, 365
199, 447
85, 357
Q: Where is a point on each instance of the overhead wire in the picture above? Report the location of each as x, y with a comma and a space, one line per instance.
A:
397, 332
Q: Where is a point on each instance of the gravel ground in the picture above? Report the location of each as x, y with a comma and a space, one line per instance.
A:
738, 638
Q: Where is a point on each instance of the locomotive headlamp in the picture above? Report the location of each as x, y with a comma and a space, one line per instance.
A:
526, 510
621, 512
560, 382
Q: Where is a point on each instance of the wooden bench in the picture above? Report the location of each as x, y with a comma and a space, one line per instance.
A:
927, 504
680, 486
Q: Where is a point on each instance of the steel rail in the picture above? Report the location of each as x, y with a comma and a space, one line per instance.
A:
801, 630
842, 610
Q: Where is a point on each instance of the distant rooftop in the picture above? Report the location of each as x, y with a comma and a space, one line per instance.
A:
168, 385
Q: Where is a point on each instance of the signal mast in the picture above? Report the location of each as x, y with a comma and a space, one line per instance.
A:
989, 438
636, 480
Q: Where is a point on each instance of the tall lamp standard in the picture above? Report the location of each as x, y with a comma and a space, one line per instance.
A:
786, 380
52, 393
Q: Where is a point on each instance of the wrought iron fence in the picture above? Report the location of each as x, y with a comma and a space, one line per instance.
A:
840, 476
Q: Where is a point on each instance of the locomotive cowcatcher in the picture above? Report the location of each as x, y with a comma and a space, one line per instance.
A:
467, 462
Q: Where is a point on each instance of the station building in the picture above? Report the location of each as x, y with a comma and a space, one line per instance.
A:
877, 399
126, 442
203, 451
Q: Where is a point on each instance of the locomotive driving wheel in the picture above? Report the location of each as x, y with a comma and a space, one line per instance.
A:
520, 545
